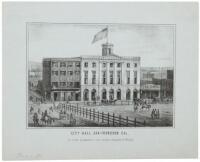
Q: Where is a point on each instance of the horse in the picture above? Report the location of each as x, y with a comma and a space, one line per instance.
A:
146, 106
112, 101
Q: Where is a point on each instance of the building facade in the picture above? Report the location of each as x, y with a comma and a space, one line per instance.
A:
157, 82
92, 78
61, 79
110, 77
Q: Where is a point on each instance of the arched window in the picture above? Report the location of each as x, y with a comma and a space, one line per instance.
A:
119, 94
128, 94
93, 94
111, 94
104, 94
86, 95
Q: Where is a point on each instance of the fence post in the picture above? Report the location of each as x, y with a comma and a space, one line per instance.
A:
102, 116
119, 120
98, 116
127, 121
90, 114
113, 119
83, 112
135, 122
86, 113
144, 123
94, 114
108, 119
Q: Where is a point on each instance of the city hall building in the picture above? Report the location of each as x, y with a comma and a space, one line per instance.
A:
92, 78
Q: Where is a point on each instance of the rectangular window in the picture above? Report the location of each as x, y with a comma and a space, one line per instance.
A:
104, 77
118, 77
63, 73
111, 77
55, 73
111, 64
76, 84
109, 50
70, 84
70, 72
94, 64
62, 64
54, 64
104, 65
135, 77
77, 64
128, 77
62, 84
77, 72
86, 77
86, 64
128, 65
118, 64
54, 84
70, 64
93, 77
135, 64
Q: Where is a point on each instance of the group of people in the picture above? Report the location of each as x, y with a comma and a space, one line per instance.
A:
139, 105
41, 117
155, 114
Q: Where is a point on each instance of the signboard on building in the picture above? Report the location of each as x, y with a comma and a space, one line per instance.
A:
150, 87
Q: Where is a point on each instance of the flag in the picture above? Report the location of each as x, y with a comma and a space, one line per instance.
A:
100, 35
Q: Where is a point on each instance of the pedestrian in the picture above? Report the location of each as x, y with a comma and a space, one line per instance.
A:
35, 119
31, 109
39, 111
152, 114
158, 114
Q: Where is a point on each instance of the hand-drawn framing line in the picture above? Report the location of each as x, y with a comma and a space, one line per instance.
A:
133, 24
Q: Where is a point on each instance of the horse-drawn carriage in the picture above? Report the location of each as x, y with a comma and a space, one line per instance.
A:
108, 102
140, 104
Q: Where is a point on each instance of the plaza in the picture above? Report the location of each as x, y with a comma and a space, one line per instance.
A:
165, 120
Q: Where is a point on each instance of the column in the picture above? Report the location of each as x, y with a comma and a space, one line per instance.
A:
138, 94
52, 96
107, 94
115, 94
90, 96
61, 96
82, 95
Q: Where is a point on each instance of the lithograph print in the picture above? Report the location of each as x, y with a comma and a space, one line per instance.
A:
100, 75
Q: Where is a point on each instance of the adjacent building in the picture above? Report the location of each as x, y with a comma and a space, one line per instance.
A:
92, 78
61, 78
157, 82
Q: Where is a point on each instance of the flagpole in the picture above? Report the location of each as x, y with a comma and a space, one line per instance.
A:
107, 35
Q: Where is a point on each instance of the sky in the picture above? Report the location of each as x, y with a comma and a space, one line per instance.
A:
153, 43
